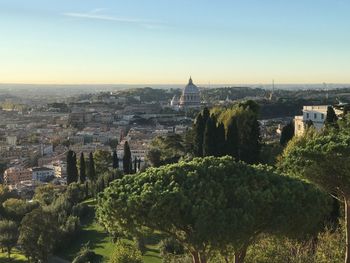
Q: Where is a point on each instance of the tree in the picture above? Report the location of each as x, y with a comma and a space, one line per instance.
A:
171, 148
16, 209
232, 143
198, 128
38, 235
153, 156
91, 171
103, 161
331, 118
8, 235
86, 255
324, 159
220, 140
125, 253
212, 204
127, 161
113, 143
72, 170
287, 133
209, 139
82, 174
135, 165
115, 160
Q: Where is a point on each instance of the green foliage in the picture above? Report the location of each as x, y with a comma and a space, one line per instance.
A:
16, 209
38, 234
127, 162
103, 161
171, 246
324, 159
238, 201
85, 255
125, 253
331, 118
72, 171
46, 194
287, 133
209, 142
166, 149
91, 168
82, 169
8, 235
323, 249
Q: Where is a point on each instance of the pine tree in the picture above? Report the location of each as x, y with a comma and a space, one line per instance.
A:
115, 160
331, 118
91, 170
72, 171
232, 139
287, 133
209, 142
82, 175
220, 139
127, 161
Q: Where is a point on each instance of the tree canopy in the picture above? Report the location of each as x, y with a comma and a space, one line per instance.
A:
212, 204
323, 159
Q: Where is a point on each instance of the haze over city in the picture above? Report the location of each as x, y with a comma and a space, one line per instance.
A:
163, 41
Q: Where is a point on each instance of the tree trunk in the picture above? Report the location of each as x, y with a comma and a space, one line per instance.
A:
240, 255
195, 257
203, 259
347, 229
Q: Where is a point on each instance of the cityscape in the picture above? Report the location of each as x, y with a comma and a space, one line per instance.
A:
174, 132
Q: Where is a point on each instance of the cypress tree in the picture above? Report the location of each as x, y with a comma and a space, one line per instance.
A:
139, 164
206, 115
287, 133
115, 160
135, 165
91, 170
220, 140
331, 118
199, 127
249, 144
209, 142
72, 171
127, 161
82, 175
232, 139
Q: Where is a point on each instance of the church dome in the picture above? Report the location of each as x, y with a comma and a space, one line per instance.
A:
190, 97
190, 88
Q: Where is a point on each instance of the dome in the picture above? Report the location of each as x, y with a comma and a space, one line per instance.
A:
190, 88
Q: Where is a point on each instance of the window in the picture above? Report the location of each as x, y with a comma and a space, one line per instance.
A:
322, 116
315, 115
307, 115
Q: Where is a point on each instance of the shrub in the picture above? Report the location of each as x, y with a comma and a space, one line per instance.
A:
125, 253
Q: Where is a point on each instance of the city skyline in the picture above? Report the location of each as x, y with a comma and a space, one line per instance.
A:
164, 42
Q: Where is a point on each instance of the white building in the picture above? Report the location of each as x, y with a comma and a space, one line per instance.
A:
42, 174
315, 114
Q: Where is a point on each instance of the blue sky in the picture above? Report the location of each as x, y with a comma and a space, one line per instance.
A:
165, 41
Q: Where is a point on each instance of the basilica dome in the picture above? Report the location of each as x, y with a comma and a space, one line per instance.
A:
190, 97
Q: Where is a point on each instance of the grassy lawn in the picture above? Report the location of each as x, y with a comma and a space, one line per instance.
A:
15, 257
102, 244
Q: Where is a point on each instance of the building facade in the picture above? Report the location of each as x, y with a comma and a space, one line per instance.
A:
15, 175
312, 114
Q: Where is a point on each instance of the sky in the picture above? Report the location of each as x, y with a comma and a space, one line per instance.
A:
166, 41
